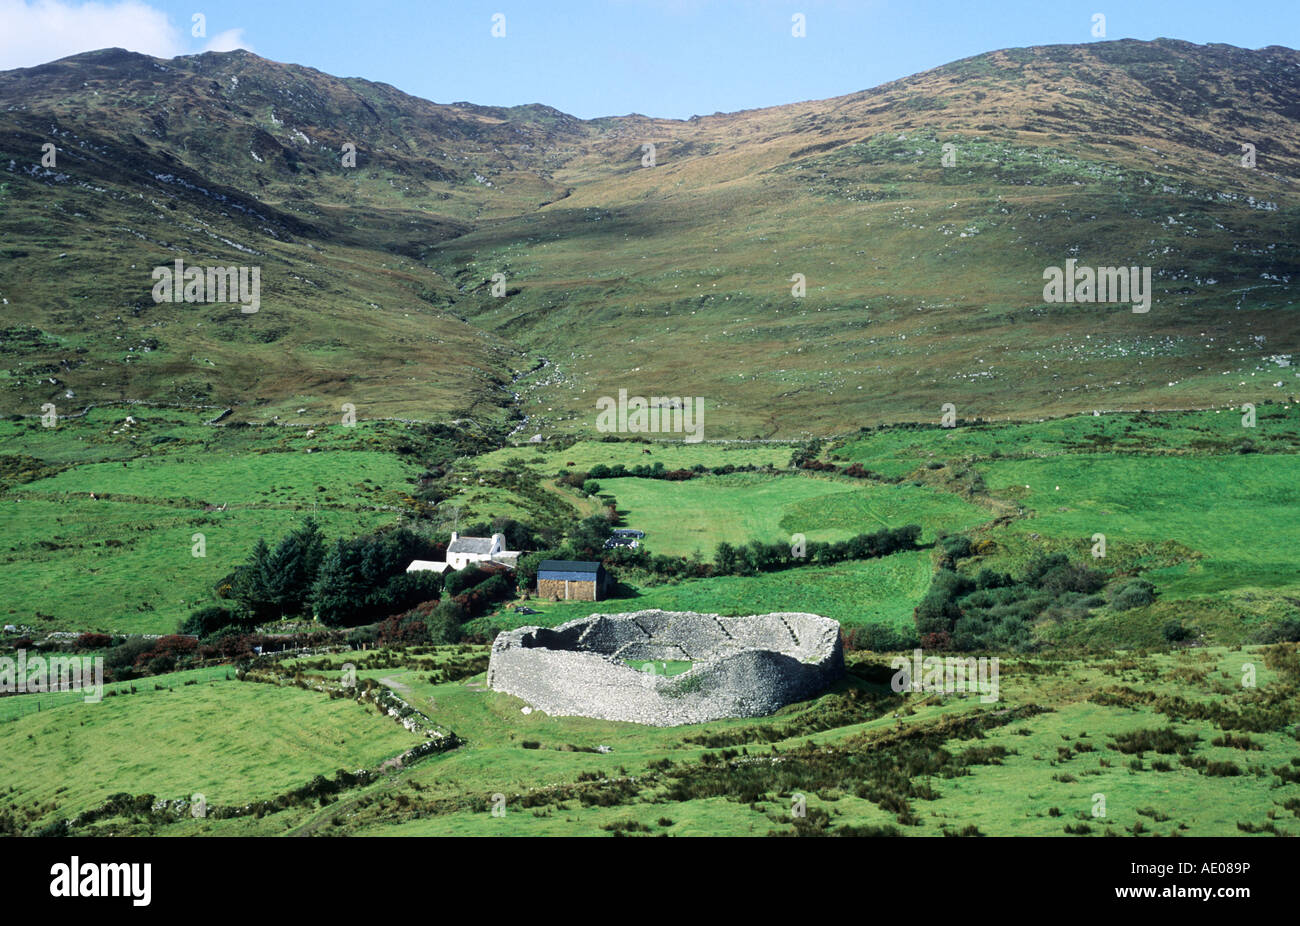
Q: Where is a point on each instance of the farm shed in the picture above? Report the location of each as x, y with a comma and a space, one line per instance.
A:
571, 580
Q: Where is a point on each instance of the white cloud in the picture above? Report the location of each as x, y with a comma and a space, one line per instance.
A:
36, 31
228, 41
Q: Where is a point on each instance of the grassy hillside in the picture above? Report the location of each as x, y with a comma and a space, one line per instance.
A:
125, 560
196, 732
1172, 743
923, 280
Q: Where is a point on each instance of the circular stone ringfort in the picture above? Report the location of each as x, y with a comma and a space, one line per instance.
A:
666, 668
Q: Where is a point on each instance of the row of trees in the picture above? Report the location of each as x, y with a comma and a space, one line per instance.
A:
659, 471
757, 556
588, 539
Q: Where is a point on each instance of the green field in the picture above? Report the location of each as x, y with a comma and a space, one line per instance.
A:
896, 451
125, 560
228, 740
584, 454
920, 763
1240, 513
680, 518
1178, 502
875, 591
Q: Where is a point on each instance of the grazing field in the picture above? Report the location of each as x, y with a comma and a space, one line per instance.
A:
1134, 744
1240, 514
585, 454
125, 560
228, 740
681, 518
129, 567
875, 591
284, 480
897, 451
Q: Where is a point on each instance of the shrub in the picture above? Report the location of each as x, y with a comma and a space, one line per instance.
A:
94, 641
1174, 631
121, 659
462, 579
444, 623
955, 547
879, 638
1286, 630
1135, 593
207, 621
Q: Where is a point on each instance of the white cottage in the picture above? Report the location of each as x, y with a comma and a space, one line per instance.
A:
465, 550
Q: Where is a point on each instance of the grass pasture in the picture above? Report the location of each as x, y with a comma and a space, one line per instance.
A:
898, 451
875, 591
1240, 513
228, 740
680, 518
125, 561
1030, 771
584, 454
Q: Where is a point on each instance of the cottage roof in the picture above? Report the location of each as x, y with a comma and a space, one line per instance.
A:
481, 545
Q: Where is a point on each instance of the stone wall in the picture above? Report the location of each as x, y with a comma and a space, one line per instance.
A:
742, 666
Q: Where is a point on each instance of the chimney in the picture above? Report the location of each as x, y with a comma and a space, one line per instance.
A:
498, 542
454, 535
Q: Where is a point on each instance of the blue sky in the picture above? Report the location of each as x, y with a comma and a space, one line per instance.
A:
671, 58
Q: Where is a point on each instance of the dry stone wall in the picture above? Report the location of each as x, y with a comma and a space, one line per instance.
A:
741, 666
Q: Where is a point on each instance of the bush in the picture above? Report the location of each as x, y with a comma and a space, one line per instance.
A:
1134, 593
362, 637
207, 621
121, 659
955, 547
94, 641
408, 589
462, 579
879, 638
995, 611
444, 623
1174, 631
1286, 630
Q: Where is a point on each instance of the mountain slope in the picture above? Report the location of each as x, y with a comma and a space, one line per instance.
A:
924, 281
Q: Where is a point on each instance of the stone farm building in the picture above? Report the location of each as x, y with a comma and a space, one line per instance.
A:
569, 580
465, 550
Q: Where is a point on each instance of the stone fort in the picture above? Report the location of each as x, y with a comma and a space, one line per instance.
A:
739, 666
